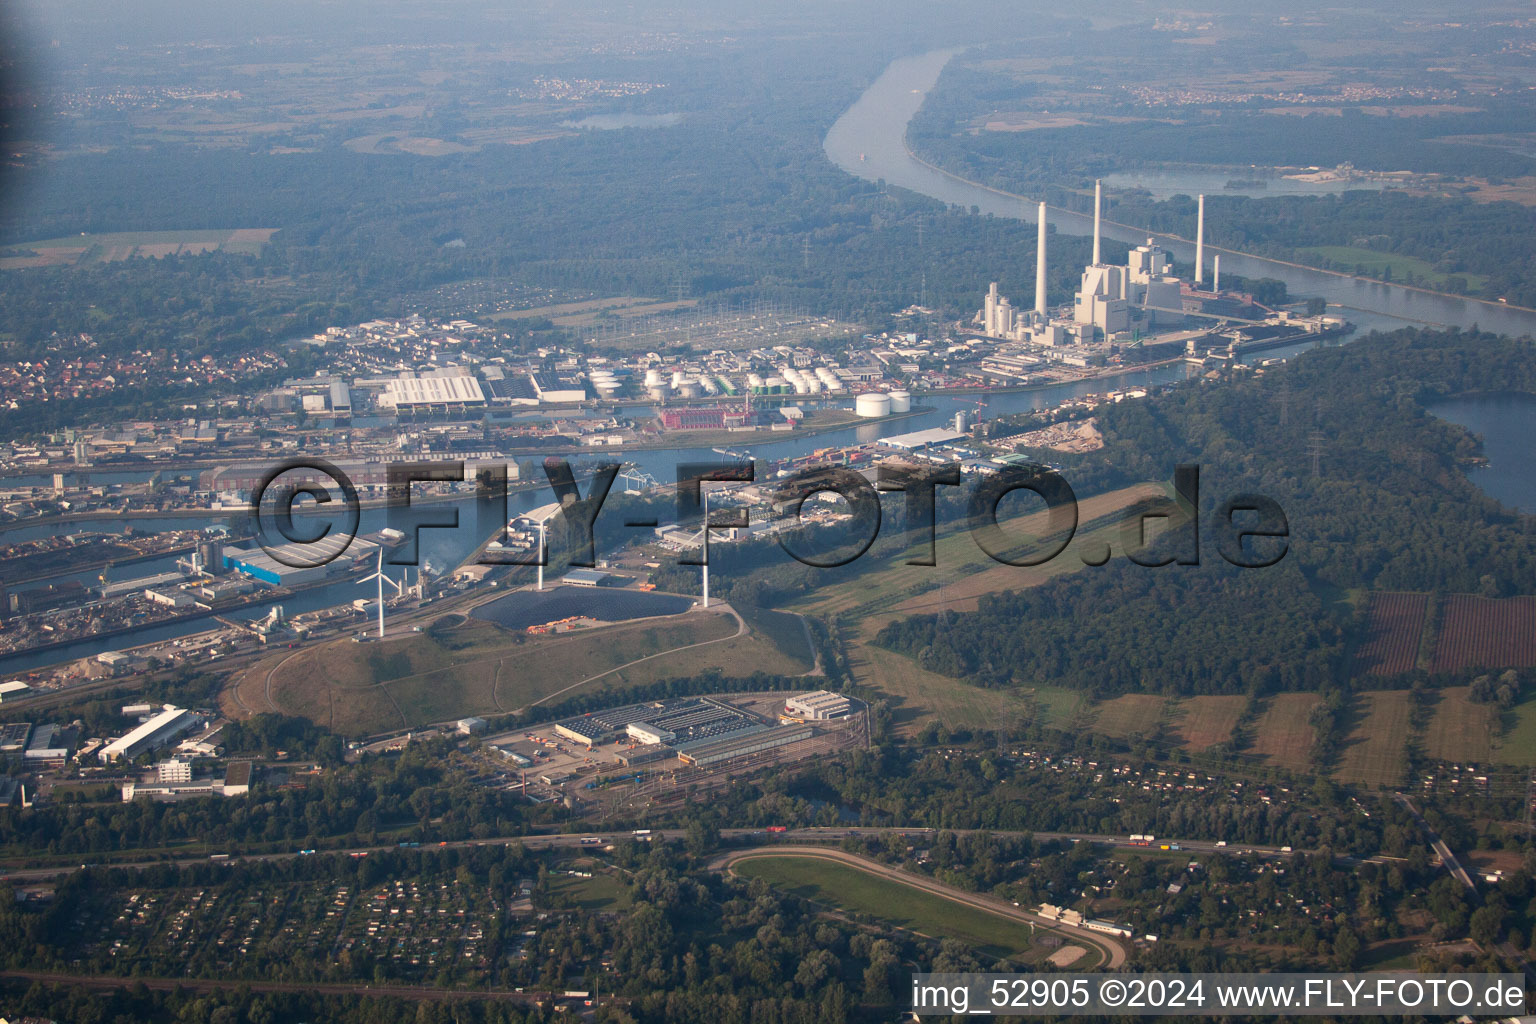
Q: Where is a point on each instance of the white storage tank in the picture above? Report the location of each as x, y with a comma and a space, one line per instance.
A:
872, 405
901, 401
652, 378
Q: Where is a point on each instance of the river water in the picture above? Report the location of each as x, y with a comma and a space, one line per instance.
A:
869, 142
1506, 422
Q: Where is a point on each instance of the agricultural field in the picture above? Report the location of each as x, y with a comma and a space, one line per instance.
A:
1518, 745
1395, 624
107, 248
1283, 736
1376, 264
1374, 752
1130, 715
481, 669
1460, 730
848, 888
1482, 632
1199, 723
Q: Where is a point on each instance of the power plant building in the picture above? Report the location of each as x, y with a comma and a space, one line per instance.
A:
1110, 299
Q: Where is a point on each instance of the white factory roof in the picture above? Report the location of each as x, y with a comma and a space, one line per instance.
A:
288, 558
542, 514
14, 686
922, 438
436, 391
168, 717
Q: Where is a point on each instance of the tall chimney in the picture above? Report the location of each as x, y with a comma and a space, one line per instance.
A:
1098, 200
1216, 275
1200, 242
1040, 268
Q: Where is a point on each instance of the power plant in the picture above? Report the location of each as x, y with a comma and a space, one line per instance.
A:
1142, 303
1112, 302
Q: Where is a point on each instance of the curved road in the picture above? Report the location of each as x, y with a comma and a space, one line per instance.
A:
1112, 952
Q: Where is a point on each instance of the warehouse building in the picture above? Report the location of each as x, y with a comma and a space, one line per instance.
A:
49, 746
13, 737
817, 706
14, 690
585, 578
556, 390
432, 394
272, 568
688, 719
153, 734
728, 749
646, 733
645, 755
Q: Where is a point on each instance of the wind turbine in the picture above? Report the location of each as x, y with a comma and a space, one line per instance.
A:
703, 539
379, 575
543, 550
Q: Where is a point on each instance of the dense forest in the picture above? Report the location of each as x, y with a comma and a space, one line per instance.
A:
1389, 508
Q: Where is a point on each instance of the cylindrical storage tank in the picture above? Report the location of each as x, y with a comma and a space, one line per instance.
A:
689, 390
652, 378
661, 392
901, 401
814, 385
872, 405
774, 382
677, 379
801, 387
754, 381
962, 422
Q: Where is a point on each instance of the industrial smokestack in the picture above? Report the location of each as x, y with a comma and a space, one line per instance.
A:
1216, 274
1040, 268
1098, 201
1200, 241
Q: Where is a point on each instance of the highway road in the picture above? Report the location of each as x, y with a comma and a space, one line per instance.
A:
736, 835
1112, 952
1447, 858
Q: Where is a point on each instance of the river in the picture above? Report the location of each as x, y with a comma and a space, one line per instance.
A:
869, 141
1507, 422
